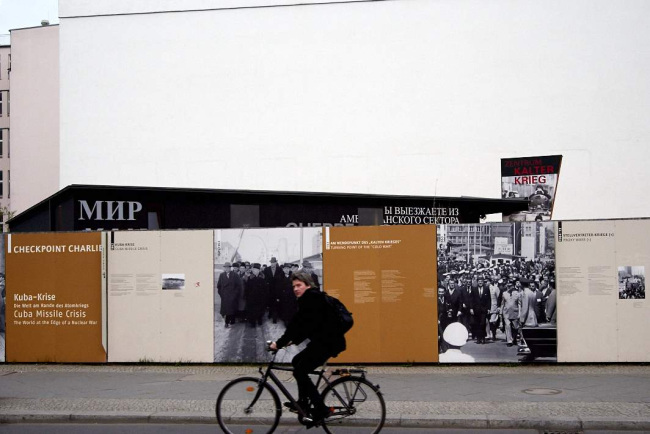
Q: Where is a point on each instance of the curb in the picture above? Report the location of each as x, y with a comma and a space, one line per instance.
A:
464, 422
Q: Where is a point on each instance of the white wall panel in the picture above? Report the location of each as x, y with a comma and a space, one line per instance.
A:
399, 97
595, 324
149, 319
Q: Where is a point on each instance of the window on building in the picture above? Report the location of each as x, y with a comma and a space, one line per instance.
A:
8, 183
1, 103
2, 143
1, 190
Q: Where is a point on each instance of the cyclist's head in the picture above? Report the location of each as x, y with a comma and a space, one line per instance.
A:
301, 281
303, 277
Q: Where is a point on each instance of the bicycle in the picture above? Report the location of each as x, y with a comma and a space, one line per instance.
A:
251, 405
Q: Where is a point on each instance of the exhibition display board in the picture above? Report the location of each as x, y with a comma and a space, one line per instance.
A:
386, 276
532, 178
54, 310
160, 296
569, 291
603, 314
495, 280
253, 299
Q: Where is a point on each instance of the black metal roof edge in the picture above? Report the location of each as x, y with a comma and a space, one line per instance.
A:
77, 187
37, 205
288, 193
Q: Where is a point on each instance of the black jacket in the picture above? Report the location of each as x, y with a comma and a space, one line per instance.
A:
314, 322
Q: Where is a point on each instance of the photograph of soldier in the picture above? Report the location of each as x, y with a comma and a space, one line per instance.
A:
540, 197
540, 200
498, 279
631, 282
254, 298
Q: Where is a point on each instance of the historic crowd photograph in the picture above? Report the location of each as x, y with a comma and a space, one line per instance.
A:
254, 299
496, 292
631, 282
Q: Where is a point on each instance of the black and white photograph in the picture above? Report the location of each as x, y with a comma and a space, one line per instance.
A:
496, 284
254, 299
532, 178
173, 281
631, 282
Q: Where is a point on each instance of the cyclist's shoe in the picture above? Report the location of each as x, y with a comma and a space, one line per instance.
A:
293, 407
318, 416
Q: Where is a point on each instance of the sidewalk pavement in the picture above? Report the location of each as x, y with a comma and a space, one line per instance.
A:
545, 397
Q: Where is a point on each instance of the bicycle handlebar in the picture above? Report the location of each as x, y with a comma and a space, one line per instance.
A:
268, 347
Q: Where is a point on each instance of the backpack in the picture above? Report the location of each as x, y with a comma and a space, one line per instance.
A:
341, 317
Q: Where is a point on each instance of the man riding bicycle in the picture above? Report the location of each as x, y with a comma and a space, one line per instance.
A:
313, 322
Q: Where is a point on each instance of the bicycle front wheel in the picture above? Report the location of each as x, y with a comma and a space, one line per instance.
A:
247, 406
355, 402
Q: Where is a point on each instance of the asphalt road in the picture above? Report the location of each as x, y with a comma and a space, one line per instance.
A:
109, 428
205, 429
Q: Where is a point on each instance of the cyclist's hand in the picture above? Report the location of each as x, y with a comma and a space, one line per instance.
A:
273, 346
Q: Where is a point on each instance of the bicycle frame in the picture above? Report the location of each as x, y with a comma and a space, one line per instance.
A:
268, 374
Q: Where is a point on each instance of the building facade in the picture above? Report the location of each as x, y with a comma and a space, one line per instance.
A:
5, 131
404, 97
34, 122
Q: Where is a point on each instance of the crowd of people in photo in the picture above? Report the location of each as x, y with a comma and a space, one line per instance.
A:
487, 298
251, 292
632, 287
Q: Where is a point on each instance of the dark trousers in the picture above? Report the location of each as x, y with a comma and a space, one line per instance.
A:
479, 325
303, 363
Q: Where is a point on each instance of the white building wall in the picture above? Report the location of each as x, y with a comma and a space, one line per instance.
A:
34, 115
413, 97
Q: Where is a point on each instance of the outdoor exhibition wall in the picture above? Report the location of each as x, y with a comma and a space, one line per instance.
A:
160, 296
135, 296
598, 322
439, 90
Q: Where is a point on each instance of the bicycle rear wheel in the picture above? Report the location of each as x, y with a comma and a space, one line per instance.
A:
245, 406
355, 402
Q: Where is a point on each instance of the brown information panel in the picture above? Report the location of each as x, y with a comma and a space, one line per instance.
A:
54, 301
386, 276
